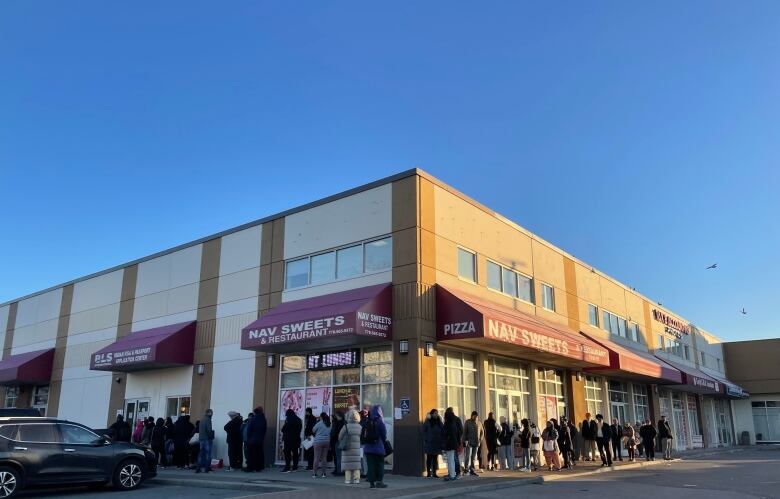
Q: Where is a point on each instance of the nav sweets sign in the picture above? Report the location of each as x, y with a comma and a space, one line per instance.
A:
362, 323
122, 357
503, 331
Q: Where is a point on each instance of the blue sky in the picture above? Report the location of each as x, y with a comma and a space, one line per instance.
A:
642, 138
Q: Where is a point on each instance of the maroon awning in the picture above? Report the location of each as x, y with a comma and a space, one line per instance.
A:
462, 319
342, 319
156, 348
31, 368
633, 364
696, 381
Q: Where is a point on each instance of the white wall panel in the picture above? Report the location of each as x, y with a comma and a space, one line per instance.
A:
97, 292
239, 285
240, 250
37, 336
84, 396
157, 385
165, 320
169, 271
80, 347
94, 319
39, 308
3, 324
233, 373
354, 218
335, 287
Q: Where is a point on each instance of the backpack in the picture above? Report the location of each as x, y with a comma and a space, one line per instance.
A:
369, 435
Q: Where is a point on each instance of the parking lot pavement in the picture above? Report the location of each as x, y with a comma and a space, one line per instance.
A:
145, 491
748, 474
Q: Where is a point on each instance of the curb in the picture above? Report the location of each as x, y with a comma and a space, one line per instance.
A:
215, 484
467, 489
634, 465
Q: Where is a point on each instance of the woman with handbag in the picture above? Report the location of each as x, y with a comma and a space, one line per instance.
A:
349, 443
630, 436
550, 447
374, 438
535, 438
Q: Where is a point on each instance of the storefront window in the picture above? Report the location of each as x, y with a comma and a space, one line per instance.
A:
550, 401
509, 389
641, 411
618, 401
457, 382
693, 420
593, 397
766, 418
177, 406
11, 394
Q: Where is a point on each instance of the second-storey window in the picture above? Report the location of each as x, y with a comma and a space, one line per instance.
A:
593, 315
510, 282
467, 265
548, 297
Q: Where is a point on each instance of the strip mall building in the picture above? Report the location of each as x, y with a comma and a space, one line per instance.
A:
403, 292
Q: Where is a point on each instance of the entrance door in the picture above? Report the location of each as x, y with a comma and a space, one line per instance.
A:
136, 409
509, 406
619, 411
679, 425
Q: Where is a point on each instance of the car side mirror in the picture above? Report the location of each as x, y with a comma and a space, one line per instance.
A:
102, 441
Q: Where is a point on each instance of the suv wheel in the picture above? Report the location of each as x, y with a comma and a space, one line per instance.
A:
128, 474
9, 481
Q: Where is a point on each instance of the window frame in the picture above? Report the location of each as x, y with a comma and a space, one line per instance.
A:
543, 286
593, 312
475, 270
501, 270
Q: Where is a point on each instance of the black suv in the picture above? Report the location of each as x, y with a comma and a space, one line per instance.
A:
47, 451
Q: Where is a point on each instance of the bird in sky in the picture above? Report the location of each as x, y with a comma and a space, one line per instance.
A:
743, 311
713, 266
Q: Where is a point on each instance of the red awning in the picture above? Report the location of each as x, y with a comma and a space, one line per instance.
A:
31, 368
156, 348
635, 364
469, 321
696, 381
343, 319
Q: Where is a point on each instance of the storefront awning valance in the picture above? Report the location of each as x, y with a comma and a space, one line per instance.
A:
462, 319
696, 381
156, 348
634, 364
343, 319
31, 368
731, 389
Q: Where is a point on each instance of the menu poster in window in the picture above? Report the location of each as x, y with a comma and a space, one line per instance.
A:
318, 399
291, 399
547, 407
346, 398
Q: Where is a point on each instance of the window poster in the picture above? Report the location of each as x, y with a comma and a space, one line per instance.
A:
346, 398
319, 399
547, 408
291, 399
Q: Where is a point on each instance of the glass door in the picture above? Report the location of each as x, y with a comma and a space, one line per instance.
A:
679, 426
136, 409
619, 411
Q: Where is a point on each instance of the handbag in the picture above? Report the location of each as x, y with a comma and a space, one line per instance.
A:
195, 439
343, 442
308, 443
388, 448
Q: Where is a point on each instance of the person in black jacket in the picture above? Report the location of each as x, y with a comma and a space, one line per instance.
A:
432, 442
291, 440
308, 431
505, 458
452, 435
648, 433
255, 437
158, 442
665, 435
575, 447
564, 441
235, 442
182, 431
491, 439
337, 423
603, 440
588, 430
617, 436
119, 430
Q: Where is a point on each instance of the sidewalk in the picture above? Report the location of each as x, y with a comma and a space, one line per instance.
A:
300, 484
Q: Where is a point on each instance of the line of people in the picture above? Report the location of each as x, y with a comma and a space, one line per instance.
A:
473, 445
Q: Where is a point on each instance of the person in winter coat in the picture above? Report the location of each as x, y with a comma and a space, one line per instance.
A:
505, 460
206, 440
630, 436
491, 439
617, 437
565, 442
648, 433
451, 436
603, 440
119, 430
139, 430
640, 450
157, 441
321, 432
255, 437
245, 429
146, 432
459, 450
536, 445
308, 431
337, 423
522, 445
432, 442
588, 431
375, 433
473, 434
291, 440
169, 439
235, 442
182, 431
550, 447
665, 435
349, 441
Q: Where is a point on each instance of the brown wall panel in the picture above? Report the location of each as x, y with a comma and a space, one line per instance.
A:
55, 387
206, 329
116, 400
572, 304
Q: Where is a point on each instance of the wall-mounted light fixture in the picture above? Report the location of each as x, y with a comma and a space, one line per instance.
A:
428, 348
118, 379
579, 376
403, 347
270, 360
201, 369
